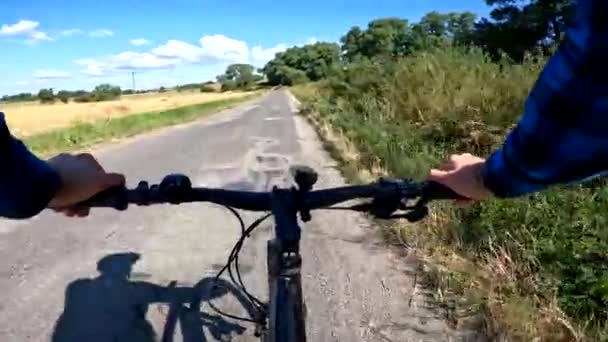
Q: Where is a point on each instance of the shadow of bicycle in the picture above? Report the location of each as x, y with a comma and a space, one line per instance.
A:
112, 308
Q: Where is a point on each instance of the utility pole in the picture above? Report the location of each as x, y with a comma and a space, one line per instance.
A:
133, 79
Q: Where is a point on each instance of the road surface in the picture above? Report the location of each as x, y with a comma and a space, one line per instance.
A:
93, 279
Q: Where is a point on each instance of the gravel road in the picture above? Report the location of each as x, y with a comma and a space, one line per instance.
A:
94, 279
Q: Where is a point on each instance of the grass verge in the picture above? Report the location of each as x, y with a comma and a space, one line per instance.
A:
82, 135
533, 268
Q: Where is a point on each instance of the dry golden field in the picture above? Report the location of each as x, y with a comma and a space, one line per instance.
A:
27, 118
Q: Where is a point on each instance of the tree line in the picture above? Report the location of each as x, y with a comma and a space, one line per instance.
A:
514, 30
102, 92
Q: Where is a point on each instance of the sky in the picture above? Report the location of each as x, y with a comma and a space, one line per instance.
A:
68, 44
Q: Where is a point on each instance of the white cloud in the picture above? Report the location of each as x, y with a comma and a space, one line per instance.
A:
260, 56
22, 83
179, 50
135, 60
221, 48
101, 33
24, 28
71, 32
47, 74
214, 50
139, 42
127, 60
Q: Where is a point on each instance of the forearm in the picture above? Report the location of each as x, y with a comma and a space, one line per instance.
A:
27, 183
561, 137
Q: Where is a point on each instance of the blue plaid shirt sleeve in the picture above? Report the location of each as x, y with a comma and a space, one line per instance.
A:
563, 135
27, 183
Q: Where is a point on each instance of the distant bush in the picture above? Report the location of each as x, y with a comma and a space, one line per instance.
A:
128, 92
106, 92
63, 96
46, 96
85, 98
207, 89
162, 89
189, 86
19, 97
228, 85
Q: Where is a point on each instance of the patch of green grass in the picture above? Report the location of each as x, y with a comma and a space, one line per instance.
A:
83, 135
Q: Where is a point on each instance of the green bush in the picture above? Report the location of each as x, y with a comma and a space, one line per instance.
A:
106, 92
46, 96
63, 96
207, 89
409, 114
85, 98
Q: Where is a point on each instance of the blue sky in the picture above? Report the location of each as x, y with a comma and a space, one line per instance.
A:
78, 44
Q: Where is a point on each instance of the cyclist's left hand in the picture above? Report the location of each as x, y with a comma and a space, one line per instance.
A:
82, 177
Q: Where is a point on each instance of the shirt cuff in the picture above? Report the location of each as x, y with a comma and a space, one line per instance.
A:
504, 180
27, 183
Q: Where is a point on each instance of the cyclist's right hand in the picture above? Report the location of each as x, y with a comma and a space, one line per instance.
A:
463, 174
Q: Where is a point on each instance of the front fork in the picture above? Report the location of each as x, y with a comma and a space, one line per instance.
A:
287, 311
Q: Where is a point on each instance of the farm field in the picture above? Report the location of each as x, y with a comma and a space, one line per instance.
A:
28, 118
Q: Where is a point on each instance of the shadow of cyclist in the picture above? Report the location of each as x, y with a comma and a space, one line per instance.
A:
112, 308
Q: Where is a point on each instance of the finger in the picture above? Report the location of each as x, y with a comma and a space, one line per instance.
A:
69, 212
448, 165
82, 212
91, 160
454, 157
114, 179
438, 175
464, 203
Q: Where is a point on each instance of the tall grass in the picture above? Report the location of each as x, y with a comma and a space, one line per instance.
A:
535, 267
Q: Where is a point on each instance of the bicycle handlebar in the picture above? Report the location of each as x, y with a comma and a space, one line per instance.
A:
388, 195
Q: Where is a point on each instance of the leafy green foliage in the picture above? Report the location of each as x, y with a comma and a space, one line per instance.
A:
300, 64
46, 95
516, 30
408, 115
206, 88
238, 76
63, 96
21, 97
387, 37
106, 92
189, 86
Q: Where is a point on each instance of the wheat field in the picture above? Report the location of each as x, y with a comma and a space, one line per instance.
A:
27, 118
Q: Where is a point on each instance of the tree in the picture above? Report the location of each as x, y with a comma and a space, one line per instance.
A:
63, 96
106, 92
301, 63
517, 29
19, 97
386, 37
461, 27
46, 95
238, 76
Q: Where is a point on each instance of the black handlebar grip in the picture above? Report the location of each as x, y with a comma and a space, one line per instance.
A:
436, 191
115, 198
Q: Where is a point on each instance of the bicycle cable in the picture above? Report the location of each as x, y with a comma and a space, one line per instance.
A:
233, 261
